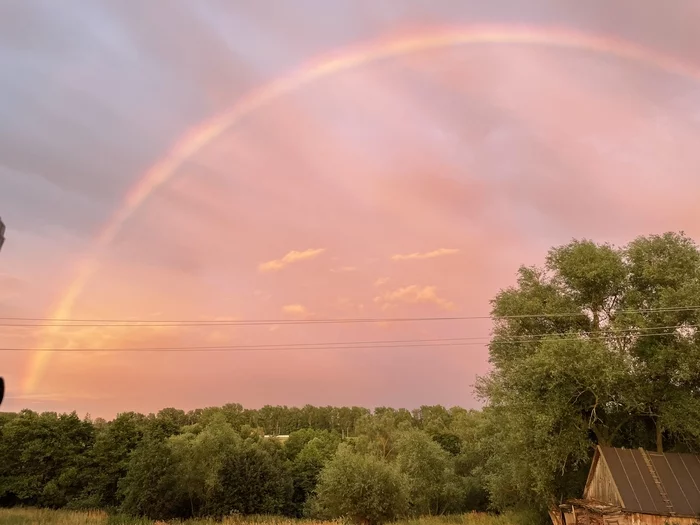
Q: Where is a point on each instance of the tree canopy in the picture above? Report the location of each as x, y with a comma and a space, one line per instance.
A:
217, 461
598, 346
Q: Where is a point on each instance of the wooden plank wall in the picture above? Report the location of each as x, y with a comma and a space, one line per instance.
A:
653, 519
585, 517
602, 487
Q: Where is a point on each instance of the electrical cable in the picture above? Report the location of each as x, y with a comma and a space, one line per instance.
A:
400, 344
57, 322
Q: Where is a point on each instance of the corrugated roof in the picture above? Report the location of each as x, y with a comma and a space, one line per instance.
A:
679, 476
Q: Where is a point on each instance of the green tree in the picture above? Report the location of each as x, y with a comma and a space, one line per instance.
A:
200, 455
255, 479
348, 418
300, 438
470, 427
307, 464
664, 276
42, 457
576, 362
110, 455
433, 486
150, 487
376, 434
362, 488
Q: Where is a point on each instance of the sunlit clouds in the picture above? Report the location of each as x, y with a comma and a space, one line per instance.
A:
290, 258
428, 255
294, 309
413, 294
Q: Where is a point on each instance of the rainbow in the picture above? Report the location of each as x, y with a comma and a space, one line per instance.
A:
324, 66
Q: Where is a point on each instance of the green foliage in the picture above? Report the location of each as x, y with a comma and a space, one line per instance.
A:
433, 486
109, 456
306, 465
363, 488
150, 487
254, 480
300, 438
608, 364
215, 461
41, 458
377, 434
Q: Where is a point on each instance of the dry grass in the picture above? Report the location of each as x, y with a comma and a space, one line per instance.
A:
50, 517
19, 516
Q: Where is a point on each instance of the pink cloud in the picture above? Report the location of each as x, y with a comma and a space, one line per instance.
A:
290, 258
441, 252
294, 309
413, 294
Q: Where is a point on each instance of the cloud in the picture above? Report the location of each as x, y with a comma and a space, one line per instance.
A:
297, 309
290, 258
428, 255
381, 281
414, 294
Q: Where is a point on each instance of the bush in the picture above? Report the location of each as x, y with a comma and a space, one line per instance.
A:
361, 488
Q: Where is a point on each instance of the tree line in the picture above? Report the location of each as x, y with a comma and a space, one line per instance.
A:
599, 345
371, 466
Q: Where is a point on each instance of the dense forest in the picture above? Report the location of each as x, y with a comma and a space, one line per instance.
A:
598, 345
217, 461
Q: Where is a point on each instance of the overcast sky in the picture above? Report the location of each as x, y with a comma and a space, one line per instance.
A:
408, 187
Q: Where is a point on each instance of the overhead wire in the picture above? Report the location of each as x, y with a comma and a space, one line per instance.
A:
378, 344
61, 322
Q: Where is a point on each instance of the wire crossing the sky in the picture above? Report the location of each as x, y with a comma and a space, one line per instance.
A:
396, 344
60, 322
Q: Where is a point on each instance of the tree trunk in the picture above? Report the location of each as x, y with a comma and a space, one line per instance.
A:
659, 436
601, 435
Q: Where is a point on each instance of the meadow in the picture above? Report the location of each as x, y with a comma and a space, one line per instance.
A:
30, 516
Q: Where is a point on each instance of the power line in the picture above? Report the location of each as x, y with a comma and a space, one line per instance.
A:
400, 344
58, 322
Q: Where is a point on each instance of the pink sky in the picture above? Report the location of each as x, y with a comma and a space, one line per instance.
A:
409, 187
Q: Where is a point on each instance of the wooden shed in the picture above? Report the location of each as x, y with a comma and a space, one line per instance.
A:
637, 487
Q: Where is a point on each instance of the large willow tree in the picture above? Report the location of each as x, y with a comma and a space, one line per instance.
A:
599, 346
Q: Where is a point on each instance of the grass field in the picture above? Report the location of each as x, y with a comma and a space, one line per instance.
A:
60, 517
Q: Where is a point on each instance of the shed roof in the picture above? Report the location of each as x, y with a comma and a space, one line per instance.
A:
678, 478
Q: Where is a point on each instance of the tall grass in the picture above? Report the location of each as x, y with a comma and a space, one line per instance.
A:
21, 516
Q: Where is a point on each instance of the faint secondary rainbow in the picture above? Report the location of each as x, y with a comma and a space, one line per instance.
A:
324, 66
